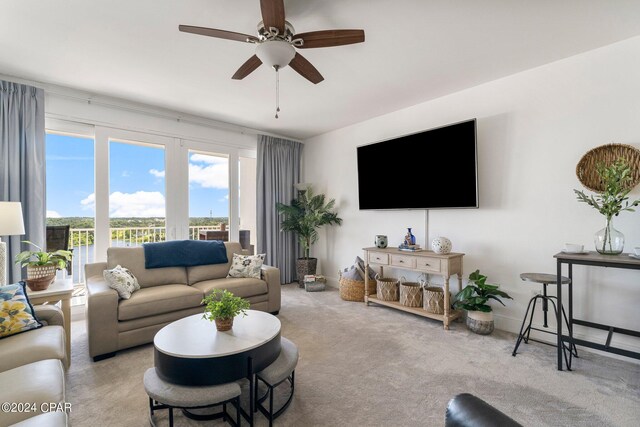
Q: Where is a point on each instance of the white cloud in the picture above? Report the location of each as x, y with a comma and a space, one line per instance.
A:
205, 158
53, 214
126, 174
138, 204
157, 173
209, 175
224, 199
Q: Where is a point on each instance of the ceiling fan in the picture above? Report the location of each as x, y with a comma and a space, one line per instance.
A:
277, 41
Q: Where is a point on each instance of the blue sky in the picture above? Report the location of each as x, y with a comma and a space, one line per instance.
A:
136, 180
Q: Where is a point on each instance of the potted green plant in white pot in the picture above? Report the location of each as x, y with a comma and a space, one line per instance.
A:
221, 307
474, 298
42, 265
305, 216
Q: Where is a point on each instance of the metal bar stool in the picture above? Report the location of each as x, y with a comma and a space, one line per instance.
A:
525, 332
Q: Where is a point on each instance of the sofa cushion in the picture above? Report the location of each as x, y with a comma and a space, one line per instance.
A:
122, 280
214, 271
35, 383
16, 312
133, 259
240, 287
246, 266
158, 300
43, 343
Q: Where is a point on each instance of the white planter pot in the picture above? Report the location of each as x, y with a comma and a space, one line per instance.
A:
480, 322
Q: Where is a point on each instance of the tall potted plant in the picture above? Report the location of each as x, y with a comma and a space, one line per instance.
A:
475, 298
305, 216
617, 181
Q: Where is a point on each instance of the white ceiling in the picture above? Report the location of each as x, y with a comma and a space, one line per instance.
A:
415, 50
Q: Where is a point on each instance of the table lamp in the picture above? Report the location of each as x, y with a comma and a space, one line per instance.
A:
11, 224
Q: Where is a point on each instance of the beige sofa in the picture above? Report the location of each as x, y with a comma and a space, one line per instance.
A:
31, 371
166, 294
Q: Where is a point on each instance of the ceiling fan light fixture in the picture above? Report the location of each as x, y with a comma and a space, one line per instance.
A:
275, 53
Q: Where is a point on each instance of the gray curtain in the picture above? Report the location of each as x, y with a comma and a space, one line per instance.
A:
278, 170
22, 163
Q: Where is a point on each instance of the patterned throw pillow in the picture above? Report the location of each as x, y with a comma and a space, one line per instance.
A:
16, 312
352, 273
122, 280
360, 262
246, 266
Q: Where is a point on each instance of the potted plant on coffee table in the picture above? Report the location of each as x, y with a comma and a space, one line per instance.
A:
221, 307
305, 216
42, 265
475, 298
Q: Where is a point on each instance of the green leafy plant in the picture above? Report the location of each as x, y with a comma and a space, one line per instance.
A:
59, 258
222, 304
306, 215
476, 295
617, 180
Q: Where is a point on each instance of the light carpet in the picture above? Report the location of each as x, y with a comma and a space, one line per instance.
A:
375, 366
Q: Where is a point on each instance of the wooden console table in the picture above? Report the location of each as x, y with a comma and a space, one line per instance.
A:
445, 265
593, 259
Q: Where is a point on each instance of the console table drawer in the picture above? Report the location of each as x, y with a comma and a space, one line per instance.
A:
403, 261
428, 264
378, 258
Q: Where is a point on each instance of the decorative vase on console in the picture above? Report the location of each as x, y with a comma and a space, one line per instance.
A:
616, 182
409, 239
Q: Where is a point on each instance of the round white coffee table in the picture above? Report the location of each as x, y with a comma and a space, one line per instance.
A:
192, 352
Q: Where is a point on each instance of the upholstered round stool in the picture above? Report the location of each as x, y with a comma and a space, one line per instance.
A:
283, 369
545, 279
165, 395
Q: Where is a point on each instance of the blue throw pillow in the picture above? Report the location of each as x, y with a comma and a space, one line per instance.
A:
184, 253
16, 311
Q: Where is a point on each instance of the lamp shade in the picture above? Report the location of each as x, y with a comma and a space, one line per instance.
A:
275, 53
11, 223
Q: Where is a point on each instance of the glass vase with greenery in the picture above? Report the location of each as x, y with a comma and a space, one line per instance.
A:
617, 180
221, 307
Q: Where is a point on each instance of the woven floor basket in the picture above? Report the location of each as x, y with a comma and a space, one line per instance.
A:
387, 289
434, 299
411, 294
587, 172
353, 290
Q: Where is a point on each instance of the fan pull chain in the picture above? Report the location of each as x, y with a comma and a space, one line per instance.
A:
277, 91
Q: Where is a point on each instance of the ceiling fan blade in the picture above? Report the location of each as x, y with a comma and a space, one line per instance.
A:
330, 38
221, 34
273, 14
247, 68
305, 69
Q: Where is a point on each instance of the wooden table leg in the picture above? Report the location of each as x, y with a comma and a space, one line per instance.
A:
66, 311
446, 303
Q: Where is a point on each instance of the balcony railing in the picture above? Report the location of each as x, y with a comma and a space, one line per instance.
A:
82, 242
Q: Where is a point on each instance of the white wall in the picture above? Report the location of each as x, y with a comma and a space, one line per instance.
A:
533, 127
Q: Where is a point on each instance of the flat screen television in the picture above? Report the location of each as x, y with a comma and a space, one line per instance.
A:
433, 169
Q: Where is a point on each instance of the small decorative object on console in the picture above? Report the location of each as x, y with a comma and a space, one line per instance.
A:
409, 238
381, 241
441, 245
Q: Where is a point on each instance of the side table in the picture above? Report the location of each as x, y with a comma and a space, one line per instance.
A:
60, 290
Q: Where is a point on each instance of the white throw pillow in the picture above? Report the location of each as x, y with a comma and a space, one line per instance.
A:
246, 266
122, 280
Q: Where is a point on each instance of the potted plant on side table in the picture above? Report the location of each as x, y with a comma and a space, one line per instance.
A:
222, 307
305, 216
474, 298
42, 265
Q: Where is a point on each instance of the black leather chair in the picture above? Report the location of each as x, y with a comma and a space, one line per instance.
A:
58, 238
467, 410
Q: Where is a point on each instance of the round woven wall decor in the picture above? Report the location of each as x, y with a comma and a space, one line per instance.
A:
607, 154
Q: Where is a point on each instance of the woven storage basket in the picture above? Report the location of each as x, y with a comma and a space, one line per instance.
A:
434, 299
387, 288
353, 290
586, 170
410, 294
